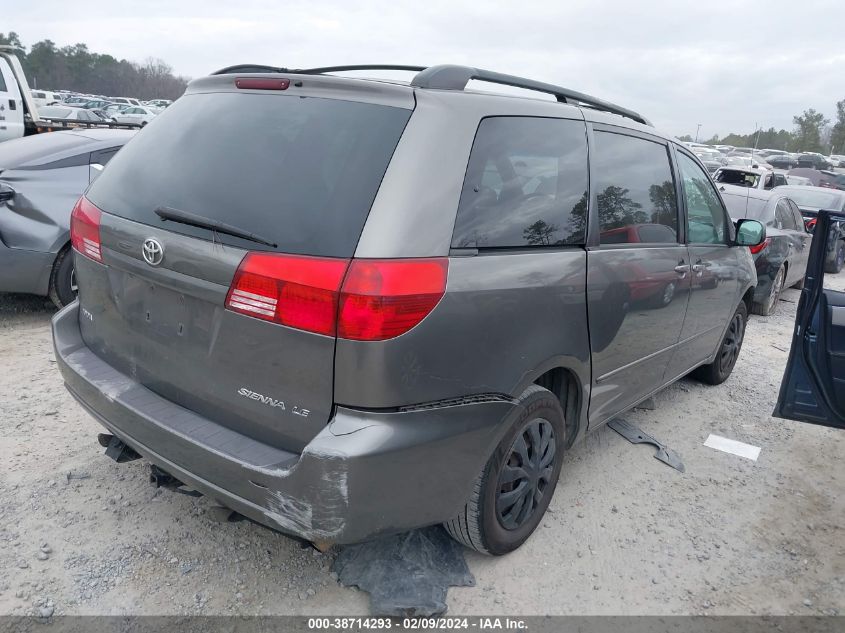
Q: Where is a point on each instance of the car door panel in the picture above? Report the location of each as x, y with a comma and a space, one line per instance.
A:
638, 275
634, 324
813, 385
715, 269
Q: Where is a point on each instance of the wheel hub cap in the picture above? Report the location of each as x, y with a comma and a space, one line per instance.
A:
526, 474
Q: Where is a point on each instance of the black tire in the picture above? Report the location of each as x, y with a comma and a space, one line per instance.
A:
62, 279
770, 305
836, 265
720, 369
489, 523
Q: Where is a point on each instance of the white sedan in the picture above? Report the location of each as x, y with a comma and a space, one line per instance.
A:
138, 114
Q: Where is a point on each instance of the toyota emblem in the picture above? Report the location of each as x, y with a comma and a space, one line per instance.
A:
153, 251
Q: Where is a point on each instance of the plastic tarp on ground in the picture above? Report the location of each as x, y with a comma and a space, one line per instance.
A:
407, 574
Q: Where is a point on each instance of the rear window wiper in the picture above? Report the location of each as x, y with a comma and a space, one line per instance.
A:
192, 219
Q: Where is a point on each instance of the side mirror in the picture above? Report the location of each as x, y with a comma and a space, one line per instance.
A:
749, 233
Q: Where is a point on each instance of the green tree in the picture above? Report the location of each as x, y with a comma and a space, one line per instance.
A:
540, 233
808, 130
616, 209
663, 199
837, 136
78, 68
12, 39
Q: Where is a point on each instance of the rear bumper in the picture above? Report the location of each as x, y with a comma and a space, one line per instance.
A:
364, 474
25, 271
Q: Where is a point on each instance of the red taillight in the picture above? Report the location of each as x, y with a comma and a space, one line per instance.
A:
85, 229
261, 83
294, 290
365, 300
382, 299
761, 246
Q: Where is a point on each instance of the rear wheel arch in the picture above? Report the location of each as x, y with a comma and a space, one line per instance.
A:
566, 386
482, 523
748, 298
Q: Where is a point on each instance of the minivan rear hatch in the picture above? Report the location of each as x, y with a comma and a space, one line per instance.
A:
296, 171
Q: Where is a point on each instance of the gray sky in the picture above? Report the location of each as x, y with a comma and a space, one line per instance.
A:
724, 64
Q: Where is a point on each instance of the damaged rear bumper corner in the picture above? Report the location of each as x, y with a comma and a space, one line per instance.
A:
365, 474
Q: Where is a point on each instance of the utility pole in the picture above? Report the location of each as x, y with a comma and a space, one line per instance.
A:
696, 132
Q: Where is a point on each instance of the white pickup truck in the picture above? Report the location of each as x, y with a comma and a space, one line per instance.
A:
18, 111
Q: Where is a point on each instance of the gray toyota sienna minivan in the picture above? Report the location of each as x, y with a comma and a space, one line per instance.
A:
347, 307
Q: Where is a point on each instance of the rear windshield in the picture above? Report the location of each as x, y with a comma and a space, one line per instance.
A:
737, 177
300, 172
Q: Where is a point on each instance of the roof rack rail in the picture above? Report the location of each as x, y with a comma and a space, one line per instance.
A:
453, 77
250, 68
337, 69
263, 68
450, 77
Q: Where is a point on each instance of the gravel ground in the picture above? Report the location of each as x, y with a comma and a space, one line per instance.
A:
625, 534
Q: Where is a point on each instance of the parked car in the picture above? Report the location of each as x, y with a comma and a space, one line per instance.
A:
816, 177
812, 386
296, 331
712, 159
835, 180
836, 160
812, 199
44, 98
781, 259
94, 104
68, 113
77, 100
127, 101
112, 110
138, 114
813, 161
738, 180
782, 161
41, 177
798, 180
742, 160
158, 103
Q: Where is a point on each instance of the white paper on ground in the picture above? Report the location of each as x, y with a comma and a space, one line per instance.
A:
733, 447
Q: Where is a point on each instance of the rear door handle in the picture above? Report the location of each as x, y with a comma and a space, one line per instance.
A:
698, 269
682, 269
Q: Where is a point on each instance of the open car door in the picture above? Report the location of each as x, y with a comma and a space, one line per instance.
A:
813, 387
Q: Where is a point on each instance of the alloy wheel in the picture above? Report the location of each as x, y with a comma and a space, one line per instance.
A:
526, 474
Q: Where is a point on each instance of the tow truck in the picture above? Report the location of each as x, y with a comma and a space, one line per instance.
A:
18, 112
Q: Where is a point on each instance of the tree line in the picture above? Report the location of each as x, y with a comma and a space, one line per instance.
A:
812, 133
78, 69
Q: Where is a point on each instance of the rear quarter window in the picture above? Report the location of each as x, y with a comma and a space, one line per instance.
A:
301, 172
526, 185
